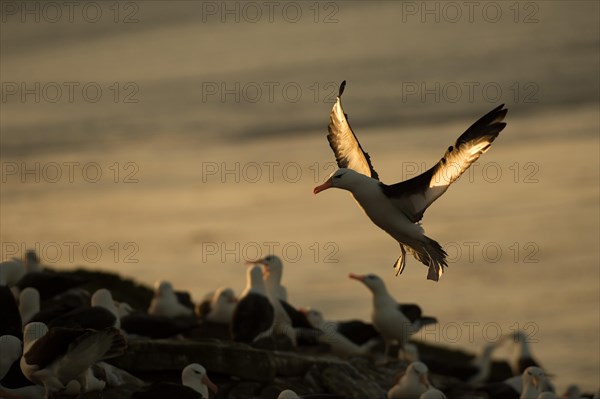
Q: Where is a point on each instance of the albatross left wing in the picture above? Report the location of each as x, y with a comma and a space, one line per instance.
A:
414, 196
342, 140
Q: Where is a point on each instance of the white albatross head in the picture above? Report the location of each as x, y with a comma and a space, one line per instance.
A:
534, 377
163, 288
372, 281
194, 376
346, 179
288, 394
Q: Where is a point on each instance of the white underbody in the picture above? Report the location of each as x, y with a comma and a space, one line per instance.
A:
384, 214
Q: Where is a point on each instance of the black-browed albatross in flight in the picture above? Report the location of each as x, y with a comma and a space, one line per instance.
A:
398, 208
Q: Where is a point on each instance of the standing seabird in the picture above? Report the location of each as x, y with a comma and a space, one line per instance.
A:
412, 384
52, 358
283, 325
195, 386
166, 303
395, 322
254, 314
398, 208
273, 272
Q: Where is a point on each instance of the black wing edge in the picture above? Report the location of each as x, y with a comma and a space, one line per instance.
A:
415, 183
331, 139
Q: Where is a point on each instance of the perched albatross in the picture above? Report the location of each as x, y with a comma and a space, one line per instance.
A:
395, 322
412, 384
273, 272
283, 324
529, 385
398, 208
290, 320
54, 357
254, 315
219, 309
166, 302
195, 386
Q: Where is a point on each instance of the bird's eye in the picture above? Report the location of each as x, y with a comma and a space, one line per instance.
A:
196, 372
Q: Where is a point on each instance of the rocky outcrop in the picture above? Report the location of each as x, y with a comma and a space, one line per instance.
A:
245, 372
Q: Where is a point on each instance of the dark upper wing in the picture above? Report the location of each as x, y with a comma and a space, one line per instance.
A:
253, 315
348, 152
411, 311
414, 196
96, 318
55, 343
297, 318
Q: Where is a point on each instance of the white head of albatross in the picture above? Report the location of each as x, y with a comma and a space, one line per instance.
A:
222, 305
534, 382
288, 394
412, 384
272, 274
346, 179
165, 302
195, 377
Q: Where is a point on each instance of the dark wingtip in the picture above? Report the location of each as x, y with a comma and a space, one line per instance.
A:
342, 87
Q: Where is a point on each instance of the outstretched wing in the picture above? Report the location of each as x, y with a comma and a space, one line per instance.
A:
348, 152
414, 196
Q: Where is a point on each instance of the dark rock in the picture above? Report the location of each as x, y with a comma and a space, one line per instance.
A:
346, 380
228, 358
243, 390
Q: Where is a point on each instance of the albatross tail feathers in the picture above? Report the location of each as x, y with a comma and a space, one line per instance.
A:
430, 253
